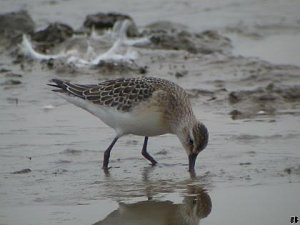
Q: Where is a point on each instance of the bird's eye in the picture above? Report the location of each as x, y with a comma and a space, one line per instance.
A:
191, 142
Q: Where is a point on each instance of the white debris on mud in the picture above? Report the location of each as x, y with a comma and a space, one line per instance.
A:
119, 52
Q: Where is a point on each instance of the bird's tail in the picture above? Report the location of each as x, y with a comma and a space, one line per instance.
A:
61, 85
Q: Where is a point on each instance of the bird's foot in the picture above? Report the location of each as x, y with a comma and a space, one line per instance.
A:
192, 173
106, 170
153, 163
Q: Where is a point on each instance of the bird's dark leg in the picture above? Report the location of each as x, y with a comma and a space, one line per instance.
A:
107, 154
146, 154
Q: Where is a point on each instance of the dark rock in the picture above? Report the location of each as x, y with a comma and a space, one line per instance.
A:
234, 97
266, 97
293, 170
162, 152
60, 171
22, 171
195, 93
72, 152
212, 42
236, 114
290, 93
11, 82
107, 20
60, 66
13, 75
288, 170
245, 163
4, 70
13, 25
104, 20
143, 69
180, 74
173, 42
263, 100
20, 22
54, 33
50, 63
270, 93
176, 37
187, 41
107, 67
13, 100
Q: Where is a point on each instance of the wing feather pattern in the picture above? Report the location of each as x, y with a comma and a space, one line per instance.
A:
122, 94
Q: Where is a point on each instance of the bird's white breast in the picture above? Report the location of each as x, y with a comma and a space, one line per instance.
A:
145, 122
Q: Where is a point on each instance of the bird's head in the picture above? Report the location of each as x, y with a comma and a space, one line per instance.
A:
194, 139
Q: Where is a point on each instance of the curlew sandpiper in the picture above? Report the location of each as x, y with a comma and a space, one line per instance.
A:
145, 106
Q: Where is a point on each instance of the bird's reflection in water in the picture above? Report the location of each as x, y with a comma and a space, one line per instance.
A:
195, 205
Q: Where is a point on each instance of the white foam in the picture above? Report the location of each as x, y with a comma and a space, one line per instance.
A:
28, 50
120, 51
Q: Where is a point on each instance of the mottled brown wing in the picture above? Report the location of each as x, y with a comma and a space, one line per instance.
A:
121, 94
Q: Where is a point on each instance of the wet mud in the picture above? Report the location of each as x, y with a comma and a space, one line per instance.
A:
51, 152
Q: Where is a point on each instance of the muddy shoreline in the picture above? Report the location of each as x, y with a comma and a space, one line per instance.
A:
51, 151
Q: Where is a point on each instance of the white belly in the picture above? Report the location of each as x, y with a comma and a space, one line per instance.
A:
145, 123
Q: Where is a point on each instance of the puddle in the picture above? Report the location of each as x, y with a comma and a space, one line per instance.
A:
239, 205
254, 205
280, 48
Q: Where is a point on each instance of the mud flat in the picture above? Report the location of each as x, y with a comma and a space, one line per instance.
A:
51, 151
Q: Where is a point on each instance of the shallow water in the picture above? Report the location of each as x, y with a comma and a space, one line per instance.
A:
63, 147
249, 202
249, 173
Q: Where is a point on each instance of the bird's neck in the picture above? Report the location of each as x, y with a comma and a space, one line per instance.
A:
184, 125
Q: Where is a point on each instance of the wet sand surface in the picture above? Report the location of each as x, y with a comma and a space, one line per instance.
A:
244, 91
